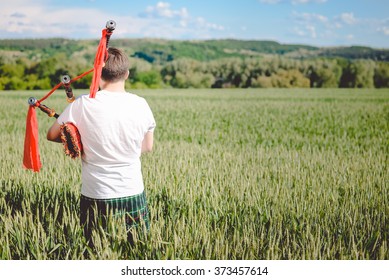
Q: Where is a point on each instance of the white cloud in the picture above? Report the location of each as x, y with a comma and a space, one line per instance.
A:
181, 21
299, 32
313, 25
384, 27
384, 30
310, 17
306, 31
318, 20
340, 28
21, 18
38, 19
163, 10
348, 18
306, 24
312, 31
18, 15
202, 23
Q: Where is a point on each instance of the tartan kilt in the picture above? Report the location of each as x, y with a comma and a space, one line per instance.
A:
133, 208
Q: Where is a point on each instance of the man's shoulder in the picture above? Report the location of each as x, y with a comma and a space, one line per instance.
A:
136, 97
81, 97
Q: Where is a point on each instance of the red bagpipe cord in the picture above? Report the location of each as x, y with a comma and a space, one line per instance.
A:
31, 157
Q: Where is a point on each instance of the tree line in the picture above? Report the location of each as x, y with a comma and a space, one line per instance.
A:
33, 70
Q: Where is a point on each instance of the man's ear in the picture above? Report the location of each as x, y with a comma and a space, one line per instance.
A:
128, 74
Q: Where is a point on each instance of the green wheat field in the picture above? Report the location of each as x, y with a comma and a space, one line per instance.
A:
235, 174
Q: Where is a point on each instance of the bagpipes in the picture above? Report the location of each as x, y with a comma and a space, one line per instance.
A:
70, 136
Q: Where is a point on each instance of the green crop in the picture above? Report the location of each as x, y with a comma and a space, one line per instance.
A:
235, 174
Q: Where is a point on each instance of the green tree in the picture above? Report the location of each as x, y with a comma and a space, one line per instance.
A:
15, 83
324, 74
12, 70
262, 82
152, 79
358, 74
186, 73
381, 75
365, 73
289, 79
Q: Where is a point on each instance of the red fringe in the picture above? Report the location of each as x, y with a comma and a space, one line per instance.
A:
31, 158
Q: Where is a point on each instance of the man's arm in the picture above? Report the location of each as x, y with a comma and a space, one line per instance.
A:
147, 143
54, 133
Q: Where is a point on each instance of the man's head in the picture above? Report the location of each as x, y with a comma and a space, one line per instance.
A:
116, 67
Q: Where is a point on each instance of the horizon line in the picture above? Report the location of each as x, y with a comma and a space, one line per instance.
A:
202, 40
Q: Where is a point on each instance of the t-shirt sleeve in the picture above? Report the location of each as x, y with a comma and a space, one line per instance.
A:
150, 121
69, 114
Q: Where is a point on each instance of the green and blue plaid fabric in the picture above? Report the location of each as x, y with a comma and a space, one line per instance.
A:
133, 208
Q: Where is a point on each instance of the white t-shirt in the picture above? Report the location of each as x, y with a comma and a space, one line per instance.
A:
112, 127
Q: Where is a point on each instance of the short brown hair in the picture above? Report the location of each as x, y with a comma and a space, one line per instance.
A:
116, 66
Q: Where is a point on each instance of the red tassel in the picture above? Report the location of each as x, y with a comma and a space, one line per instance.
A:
31, 159
98, 64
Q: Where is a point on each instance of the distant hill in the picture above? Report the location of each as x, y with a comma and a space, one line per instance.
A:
161, 51
154, 63
356, 52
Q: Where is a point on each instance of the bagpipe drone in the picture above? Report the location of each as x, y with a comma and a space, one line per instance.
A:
69, 134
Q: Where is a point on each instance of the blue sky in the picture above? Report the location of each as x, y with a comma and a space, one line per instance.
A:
313, 22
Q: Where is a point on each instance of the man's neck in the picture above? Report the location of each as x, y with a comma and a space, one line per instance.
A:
114, 87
